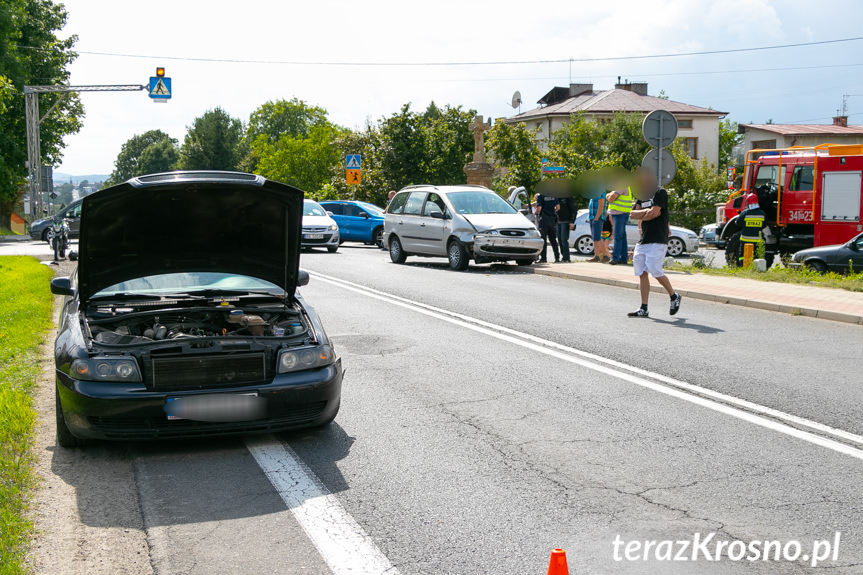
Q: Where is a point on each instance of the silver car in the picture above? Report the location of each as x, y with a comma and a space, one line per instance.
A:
459, 223
680, 240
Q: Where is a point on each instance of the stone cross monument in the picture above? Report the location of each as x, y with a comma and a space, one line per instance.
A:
479, 171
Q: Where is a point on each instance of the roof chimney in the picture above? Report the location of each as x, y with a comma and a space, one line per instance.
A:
639, 88
840, 121
576, 89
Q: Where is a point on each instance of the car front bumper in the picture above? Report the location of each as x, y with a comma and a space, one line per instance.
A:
328, 239
503, 247
692, 243
119, 411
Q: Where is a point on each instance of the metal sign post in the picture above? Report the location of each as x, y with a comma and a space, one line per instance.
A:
660, 130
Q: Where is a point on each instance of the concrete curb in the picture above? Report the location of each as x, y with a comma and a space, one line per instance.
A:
26, 238
755, 304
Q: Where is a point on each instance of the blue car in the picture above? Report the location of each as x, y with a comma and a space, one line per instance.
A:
358, 221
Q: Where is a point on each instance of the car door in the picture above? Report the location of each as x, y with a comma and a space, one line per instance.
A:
848, 256
73, 215
338, 210
433, 225
408, 223
358, 222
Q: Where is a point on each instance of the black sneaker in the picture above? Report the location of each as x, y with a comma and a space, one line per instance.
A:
640, 312
675, 303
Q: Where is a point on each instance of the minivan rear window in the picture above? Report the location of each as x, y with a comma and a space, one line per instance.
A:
397, 203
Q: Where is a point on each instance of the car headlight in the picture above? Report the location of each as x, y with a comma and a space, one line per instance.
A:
123, 369
333, 227
532, 233
305, 358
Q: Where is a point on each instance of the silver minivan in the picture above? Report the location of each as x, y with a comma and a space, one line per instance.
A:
459, 223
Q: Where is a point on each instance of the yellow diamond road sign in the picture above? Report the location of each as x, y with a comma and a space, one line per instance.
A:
354, 177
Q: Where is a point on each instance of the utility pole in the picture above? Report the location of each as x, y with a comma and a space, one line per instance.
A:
33, 121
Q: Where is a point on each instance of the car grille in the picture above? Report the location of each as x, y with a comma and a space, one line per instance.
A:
208, 371
163, 428
315, 230
512, 233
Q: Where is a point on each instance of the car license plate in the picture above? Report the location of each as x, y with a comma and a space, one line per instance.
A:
314, 236
211, 405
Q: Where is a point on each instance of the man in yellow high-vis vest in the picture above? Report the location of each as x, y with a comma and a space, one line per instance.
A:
619, 207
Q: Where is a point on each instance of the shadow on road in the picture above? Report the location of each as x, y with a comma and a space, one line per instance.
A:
187, 481
683, 323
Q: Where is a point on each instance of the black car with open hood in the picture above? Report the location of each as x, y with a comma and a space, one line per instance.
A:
183, 317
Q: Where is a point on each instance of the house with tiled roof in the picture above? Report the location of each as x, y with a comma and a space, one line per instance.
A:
697, 127
772, 136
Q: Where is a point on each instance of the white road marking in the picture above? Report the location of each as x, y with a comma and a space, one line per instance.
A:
340, 540
813, 432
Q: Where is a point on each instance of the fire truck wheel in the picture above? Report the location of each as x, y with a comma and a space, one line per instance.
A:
732, 249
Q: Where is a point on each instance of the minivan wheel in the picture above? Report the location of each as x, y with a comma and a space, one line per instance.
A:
584, 245
458, 256
397, 254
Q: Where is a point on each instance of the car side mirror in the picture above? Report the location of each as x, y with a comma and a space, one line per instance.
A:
62, 286
302, 278
364, 215
329, 213
436, 215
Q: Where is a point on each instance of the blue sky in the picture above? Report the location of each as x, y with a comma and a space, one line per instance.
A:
793, 85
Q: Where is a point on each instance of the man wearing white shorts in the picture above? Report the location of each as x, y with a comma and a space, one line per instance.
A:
651, 211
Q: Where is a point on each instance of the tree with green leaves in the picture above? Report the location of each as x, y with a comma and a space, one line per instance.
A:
303, 162
274, 119
728, 138
148, 153
515, 150
31, 53
214, 141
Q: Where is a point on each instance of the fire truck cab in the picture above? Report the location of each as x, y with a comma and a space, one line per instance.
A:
812, 196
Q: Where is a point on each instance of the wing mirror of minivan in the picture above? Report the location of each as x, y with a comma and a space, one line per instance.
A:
436, 215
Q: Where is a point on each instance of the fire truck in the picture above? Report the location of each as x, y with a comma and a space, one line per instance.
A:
813, 196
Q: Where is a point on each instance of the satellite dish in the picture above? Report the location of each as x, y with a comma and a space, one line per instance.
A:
516, 100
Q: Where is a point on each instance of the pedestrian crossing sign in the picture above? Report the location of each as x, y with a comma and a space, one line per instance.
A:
353, 162
354, 177
160, 88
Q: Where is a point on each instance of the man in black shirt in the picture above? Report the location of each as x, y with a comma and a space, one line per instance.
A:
565, 219
650, 210
546, 215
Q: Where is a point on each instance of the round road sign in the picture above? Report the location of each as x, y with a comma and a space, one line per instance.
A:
659, 128
669, 166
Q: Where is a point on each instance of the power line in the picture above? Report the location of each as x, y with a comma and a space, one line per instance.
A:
489, 63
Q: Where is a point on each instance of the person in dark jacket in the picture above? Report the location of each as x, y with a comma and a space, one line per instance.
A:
546, 215
565, 222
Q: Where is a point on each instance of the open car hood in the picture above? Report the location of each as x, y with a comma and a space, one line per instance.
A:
190, 222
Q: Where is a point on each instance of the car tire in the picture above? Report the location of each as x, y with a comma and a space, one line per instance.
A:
524, 262
64, 436
378, 237
458, 257
676, 247
816, 266
45, 235
397, 253
584, 245
333, 249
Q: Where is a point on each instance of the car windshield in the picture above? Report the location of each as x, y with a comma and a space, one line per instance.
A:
189, 282
479, 202
313, 209
371, 208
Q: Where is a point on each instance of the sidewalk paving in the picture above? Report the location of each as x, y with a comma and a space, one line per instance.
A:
24, 238
811, 301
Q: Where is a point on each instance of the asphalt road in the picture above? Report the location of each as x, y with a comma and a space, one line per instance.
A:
493, 415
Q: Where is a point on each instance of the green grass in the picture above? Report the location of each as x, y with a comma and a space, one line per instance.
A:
25, 317
850, 282
6, 232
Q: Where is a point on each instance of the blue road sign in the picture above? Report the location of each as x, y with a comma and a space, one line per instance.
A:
353, 162
160, 88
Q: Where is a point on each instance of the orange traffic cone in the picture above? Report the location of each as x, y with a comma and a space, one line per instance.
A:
557, 563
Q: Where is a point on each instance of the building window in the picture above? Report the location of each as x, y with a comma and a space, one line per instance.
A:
764, 145
691, 147
686, 124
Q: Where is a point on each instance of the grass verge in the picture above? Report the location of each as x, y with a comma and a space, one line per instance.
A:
850, 282
25, 316
6, 232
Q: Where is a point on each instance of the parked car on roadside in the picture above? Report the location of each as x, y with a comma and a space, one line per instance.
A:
841, 258
183, 316
681, 239
319, 229
461, 223
710, 235
357, 221
71, 213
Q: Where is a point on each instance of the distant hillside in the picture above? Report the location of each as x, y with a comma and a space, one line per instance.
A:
62, 178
